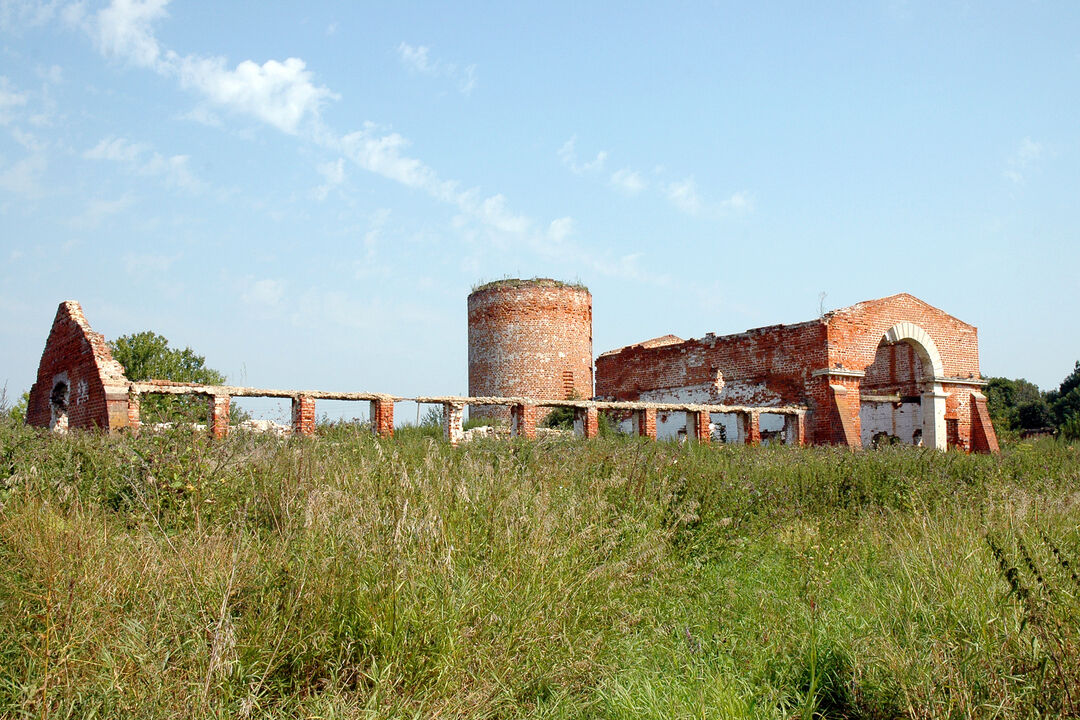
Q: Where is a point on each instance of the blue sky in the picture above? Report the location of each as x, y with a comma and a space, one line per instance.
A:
305, 193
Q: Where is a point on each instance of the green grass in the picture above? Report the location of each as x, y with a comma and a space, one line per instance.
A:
345, 576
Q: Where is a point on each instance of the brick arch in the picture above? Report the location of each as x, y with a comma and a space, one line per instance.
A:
924, 345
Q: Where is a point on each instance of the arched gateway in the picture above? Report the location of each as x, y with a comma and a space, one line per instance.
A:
885, 416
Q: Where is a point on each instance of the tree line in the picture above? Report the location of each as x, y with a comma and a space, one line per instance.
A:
1018, 406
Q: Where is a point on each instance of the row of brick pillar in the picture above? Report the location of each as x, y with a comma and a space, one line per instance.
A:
643, 423
523, 419
303, 415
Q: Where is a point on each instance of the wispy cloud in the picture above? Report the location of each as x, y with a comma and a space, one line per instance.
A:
142, 160
568, 155
10, 100
136, 264
418, 59
682, 194
333, 174
266, 292
627, 180
285, 96
16, 15
97, 211
24, 177
1022, 159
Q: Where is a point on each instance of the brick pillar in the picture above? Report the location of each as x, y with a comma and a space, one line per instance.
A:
749, 427
219, 416
795, 429
303, 415
452, 418
523, 421
134, 413
644, 423
697, 426
983, 437
382, 417
589, 421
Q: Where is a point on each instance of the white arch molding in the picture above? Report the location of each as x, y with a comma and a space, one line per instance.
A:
933, 396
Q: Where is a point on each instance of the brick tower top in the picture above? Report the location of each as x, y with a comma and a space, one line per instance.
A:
530, 338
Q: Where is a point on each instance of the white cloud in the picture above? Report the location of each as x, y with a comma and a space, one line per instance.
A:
568, 155
175, 169
18, 15
115, 149
560, 229
265, 292
124, 30
203, 116
684, 195
280, 94
1026, 155
418, 59
97, 211
493, 211
24, 177
333, 173
136, 264
10, 98
331, 29
627, 180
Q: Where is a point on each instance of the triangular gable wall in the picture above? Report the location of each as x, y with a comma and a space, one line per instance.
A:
79, 384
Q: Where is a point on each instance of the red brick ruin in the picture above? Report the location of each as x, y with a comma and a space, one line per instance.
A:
894, 369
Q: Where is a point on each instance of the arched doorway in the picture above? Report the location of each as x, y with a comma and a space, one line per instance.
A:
901, 395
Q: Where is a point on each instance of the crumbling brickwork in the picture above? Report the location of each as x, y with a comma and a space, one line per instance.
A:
888, 353
530, 338
79, 385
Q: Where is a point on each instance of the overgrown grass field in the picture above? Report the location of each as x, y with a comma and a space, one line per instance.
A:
350, 577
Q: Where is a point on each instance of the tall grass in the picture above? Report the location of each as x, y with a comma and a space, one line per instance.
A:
347, 576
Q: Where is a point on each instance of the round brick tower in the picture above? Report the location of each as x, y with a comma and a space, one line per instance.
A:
529, 338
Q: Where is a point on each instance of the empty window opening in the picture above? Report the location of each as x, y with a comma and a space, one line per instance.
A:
771, 427
725, 427
58, 406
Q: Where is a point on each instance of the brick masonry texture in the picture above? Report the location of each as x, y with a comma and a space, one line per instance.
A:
530, 338
78, 359
817, 364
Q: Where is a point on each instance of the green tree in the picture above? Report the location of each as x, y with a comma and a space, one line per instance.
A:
1017, 404
147, 356
17, 412
1065, 401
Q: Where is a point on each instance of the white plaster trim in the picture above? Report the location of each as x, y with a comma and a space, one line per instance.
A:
922, 342
838, 372
961, 381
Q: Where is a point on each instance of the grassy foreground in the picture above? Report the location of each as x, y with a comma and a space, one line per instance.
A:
346, 576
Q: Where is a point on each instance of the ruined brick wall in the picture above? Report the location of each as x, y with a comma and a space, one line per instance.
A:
766, 366
78, 365
855, 333
787, 364
530, 338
